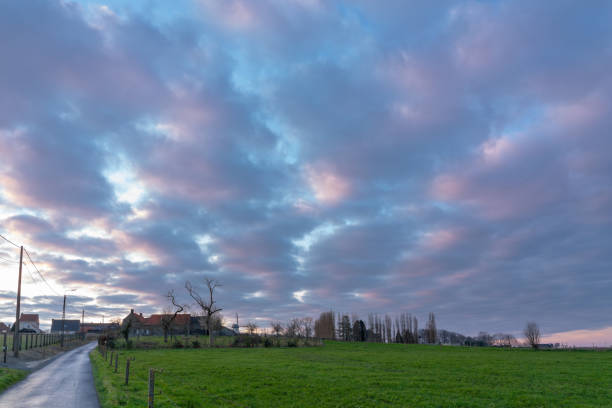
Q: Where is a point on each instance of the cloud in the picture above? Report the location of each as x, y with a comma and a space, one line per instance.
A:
312, 155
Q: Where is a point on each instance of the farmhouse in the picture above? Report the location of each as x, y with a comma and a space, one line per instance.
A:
152, 325
29, 323
184, 323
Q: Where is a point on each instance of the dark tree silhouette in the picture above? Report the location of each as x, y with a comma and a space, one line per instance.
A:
167, 319
532, 334
207, 305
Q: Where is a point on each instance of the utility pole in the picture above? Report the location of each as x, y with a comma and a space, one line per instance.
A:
63, 321
83, 318
16, 337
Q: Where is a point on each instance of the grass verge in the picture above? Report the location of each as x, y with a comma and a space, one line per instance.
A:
9, 376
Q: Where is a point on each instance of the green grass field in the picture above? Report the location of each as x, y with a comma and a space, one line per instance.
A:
9, 376
360, 375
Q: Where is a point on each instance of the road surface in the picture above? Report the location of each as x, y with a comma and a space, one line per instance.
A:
66, 382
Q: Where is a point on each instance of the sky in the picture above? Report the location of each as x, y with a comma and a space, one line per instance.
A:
449, 157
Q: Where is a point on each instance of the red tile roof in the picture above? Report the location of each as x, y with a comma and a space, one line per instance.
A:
156, 319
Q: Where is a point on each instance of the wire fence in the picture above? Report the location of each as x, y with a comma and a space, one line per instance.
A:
140, 380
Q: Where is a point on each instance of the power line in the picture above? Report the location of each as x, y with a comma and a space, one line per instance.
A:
9, 241
39, 273
35, 282
30, 273
8, 260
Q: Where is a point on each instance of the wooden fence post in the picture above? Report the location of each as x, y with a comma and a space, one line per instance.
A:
127, 369
4, 347
151, 388
116, 361
152, 372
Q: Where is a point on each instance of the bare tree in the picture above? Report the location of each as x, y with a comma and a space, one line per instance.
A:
277, 328
504, 340
325, 326
430, 331
169, 314
208, 306
307, 323
126, 327
251, 328
532, 334
293, 328
388, 328
344, 328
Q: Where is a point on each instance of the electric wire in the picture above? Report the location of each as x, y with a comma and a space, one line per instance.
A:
9, 241
8, 260
40, 290
39, 273
30, 273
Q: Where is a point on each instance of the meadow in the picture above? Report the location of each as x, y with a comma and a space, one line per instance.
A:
359, 375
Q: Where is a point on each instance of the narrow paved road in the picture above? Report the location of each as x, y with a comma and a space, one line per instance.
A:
66, 382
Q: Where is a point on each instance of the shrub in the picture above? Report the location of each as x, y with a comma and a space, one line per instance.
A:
195, 344
110, 342
292, 343
268, 342
177, 345
245, 340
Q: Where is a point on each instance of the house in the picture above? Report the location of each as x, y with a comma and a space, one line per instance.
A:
184, 323
98, 328
4, 328
152, 325
29, 323
65, 326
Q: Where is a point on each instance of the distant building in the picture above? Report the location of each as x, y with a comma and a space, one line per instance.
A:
4, 328
68, 327
546, 346
184, 323
98, 328
29, 323
152, 325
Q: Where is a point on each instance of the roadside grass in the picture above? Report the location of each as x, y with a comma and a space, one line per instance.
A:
9, 376
359, 375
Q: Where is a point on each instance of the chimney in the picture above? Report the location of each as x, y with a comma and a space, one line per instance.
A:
140, 314
132, 311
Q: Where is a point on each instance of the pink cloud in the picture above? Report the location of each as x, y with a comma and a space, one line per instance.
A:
584, 338
327, 186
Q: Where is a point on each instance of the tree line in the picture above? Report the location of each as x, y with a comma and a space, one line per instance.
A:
402, 328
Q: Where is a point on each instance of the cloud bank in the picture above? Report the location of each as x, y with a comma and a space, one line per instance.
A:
446, 157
